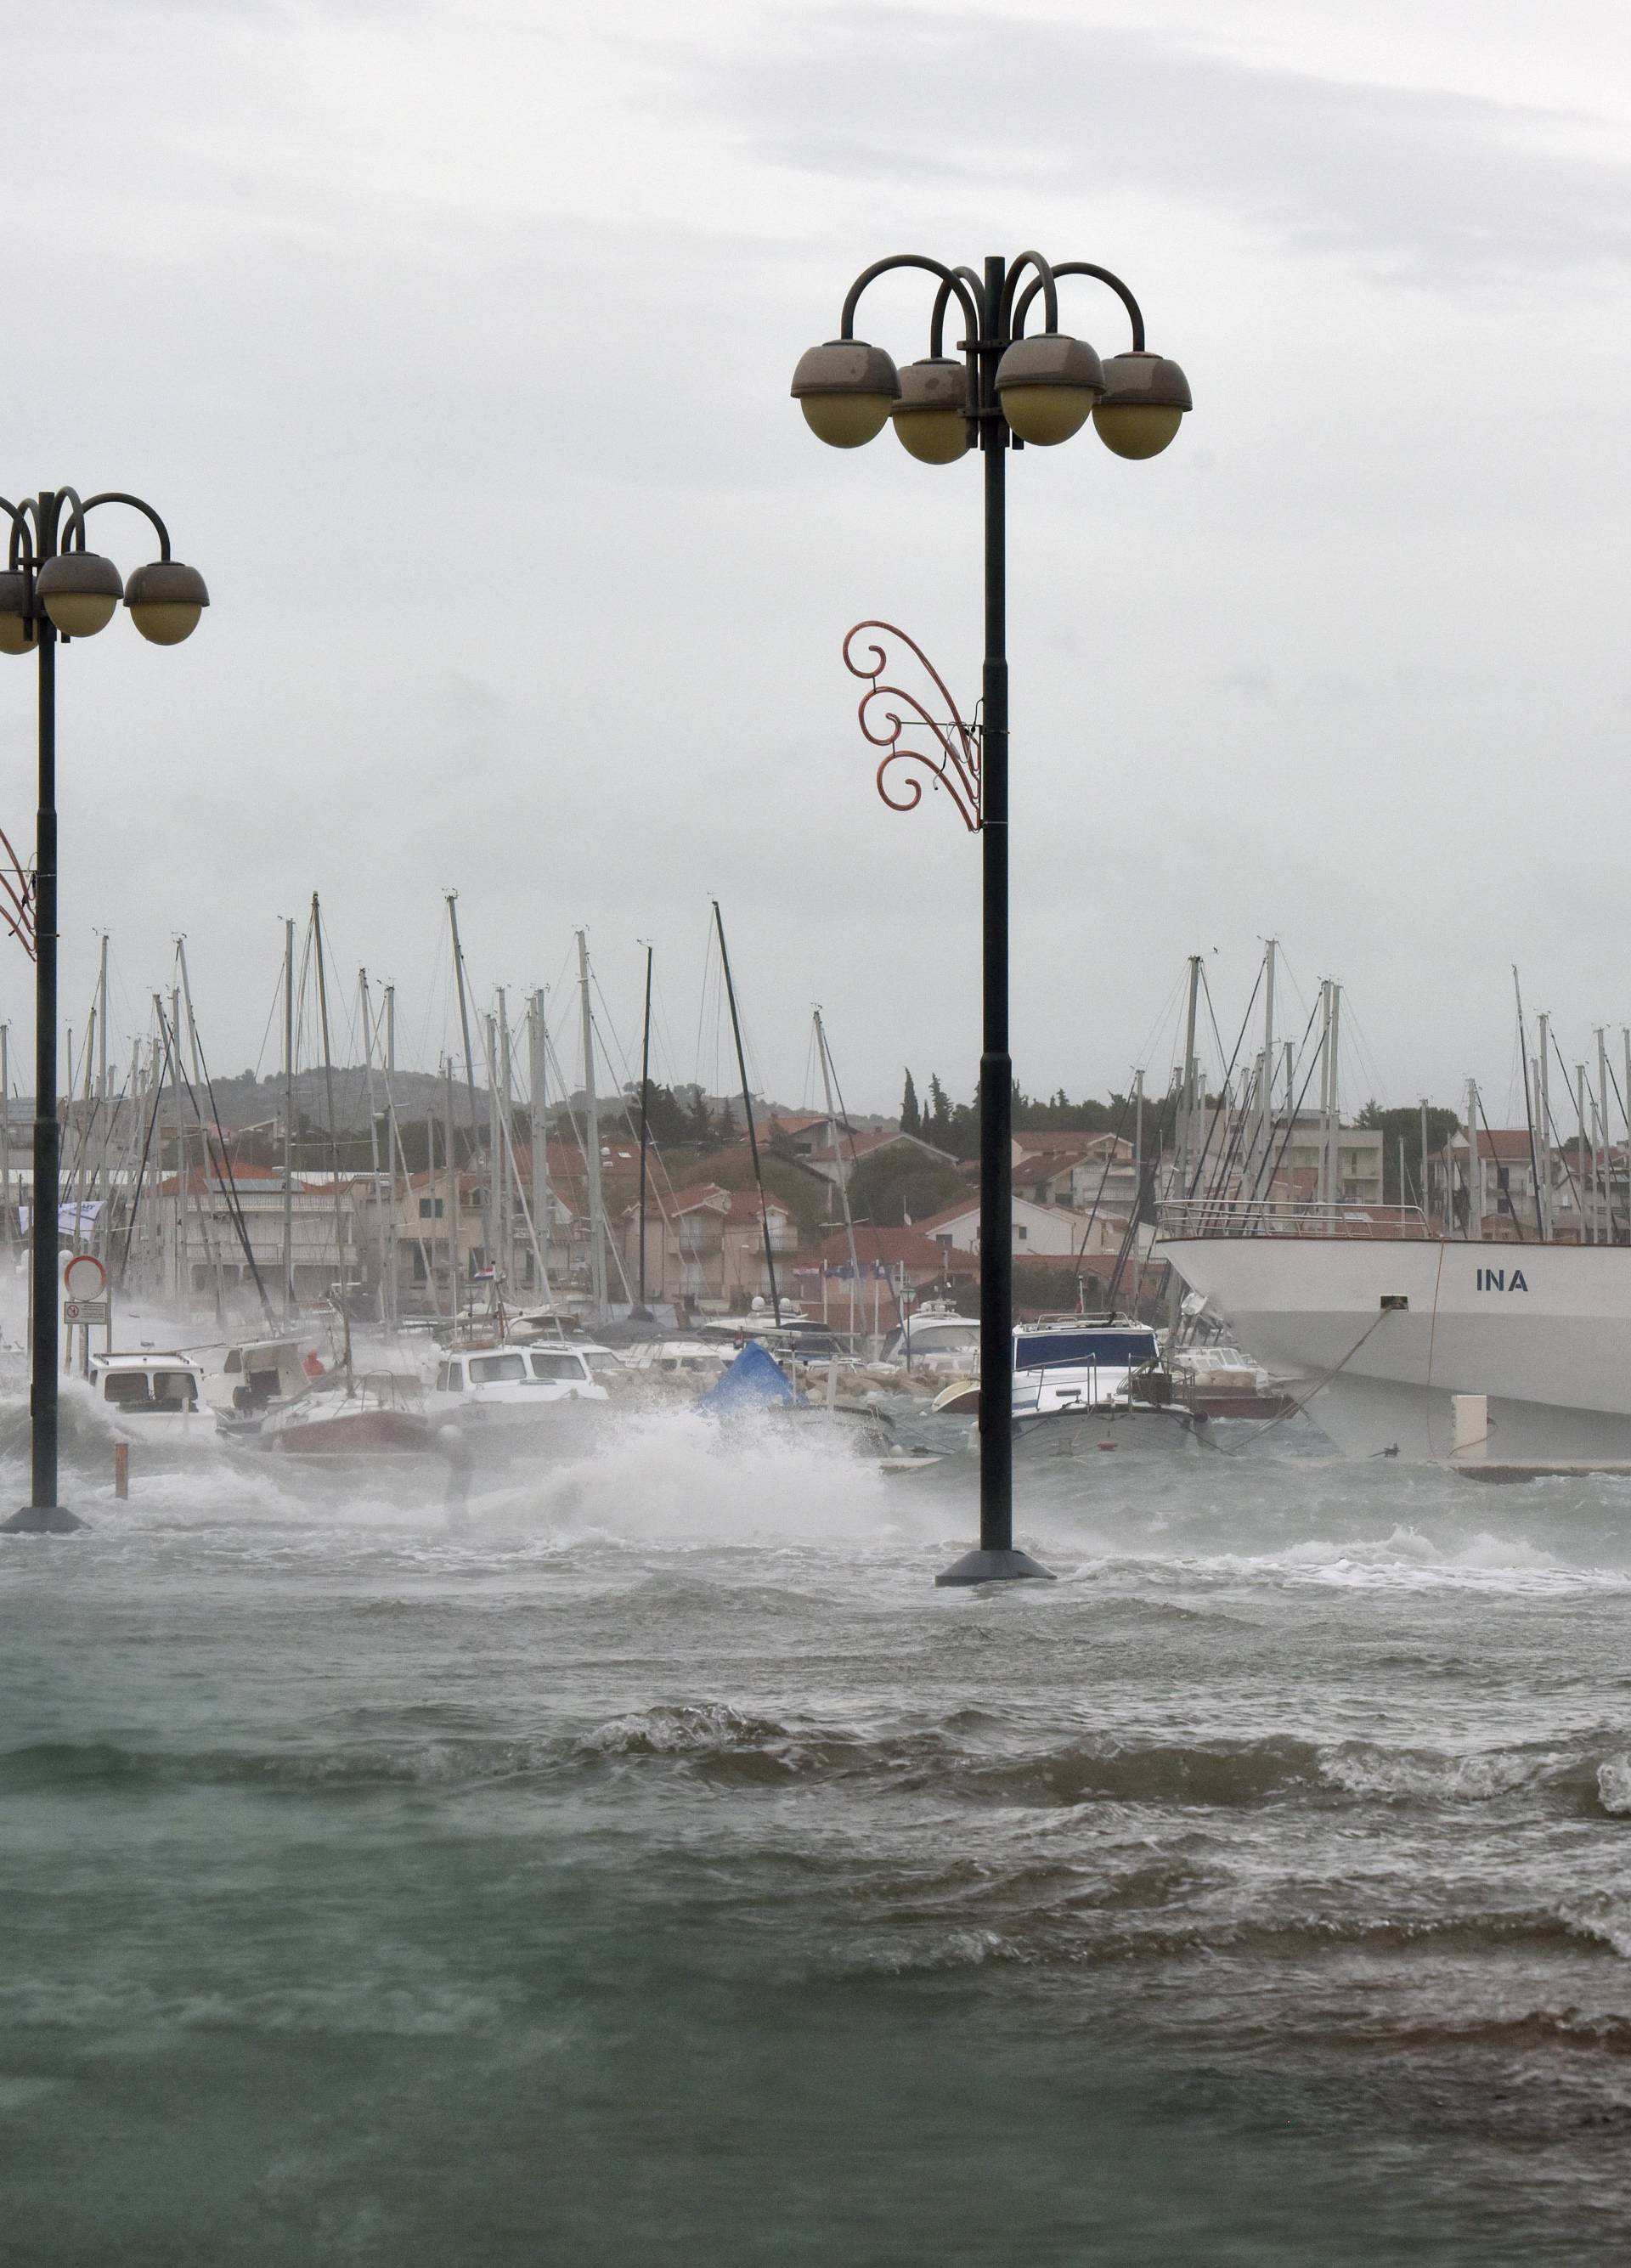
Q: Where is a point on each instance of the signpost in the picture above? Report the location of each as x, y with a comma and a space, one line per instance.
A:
84, 1283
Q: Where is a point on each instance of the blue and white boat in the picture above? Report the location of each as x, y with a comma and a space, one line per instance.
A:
1066, 1363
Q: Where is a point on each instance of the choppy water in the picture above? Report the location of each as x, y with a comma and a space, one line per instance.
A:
657, 1868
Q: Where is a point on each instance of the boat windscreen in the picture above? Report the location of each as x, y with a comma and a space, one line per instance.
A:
1057, 1350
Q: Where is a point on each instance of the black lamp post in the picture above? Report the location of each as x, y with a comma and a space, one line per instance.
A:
1008, 390
54, 589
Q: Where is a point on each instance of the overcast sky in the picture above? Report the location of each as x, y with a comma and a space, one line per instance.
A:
453, 342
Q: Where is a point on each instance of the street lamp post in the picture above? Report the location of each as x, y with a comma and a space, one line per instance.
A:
53, 591
1008, 391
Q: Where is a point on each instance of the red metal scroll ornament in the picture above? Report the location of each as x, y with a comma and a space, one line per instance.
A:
16, 898
954, 760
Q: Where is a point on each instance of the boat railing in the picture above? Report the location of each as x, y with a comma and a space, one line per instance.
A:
1190, 1217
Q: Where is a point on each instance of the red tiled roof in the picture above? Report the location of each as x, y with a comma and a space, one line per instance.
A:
1508, 1145
201, 1183
795, 1123
952, 1213
695, 1194
861, 1145
897, 1247
1052, 1141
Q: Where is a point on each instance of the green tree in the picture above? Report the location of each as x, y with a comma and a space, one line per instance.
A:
670, 1123
934, 1124
1404, 1125
890, 1183
911, 1115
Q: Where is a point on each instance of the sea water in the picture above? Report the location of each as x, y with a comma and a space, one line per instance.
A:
649, 1865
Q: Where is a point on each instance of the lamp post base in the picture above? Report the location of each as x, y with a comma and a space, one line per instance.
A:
42, 1519
994, 1567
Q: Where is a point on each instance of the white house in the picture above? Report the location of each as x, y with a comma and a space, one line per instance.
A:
1049, 1231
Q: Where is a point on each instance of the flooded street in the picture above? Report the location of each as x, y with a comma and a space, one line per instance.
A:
655, 1866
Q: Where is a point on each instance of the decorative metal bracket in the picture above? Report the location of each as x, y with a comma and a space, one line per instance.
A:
955, 759
16, 898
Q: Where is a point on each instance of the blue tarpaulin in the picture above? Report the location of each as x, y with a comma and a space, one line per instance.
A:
754, 1381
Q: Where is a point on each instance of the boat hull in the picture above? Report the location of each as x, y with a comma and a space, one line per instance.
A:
1375, 1337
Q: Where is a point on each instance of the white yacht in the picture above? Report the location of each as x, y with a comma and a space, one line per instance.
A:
1374, 1334
1079, 1362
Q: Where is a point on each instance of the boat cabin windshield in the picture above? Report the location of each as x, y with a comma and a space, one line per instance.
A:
553, 1365
497, 1369
157, 1389
1118, 1350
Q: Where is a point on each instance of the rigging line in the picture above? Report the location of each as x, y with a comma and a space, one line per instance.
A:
1503, 1180
1143, 1202
234, 1199
1211, 1014
1217, 1187
135, 1195
507, 1147
662, 1031
1528, 1114
845, 1127
580, 1137
1109, 1159
1354, 1033
1265, 1181
702, 1010
271, 1014
1229, 1073
1608, 1145
1141, 1060
1574, 1186
228, 1187
1235, 1448
1291, 977
746, 1104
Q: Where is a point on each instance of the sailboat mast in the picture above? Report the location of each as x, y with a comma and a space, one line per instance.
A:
288, 1120
592, 1140
387, 1276
537, 1092
1602, 1128
102, 1020
1265, 1096
455, 1265
844, 1187
1186, 1106
645, 1117
506, 1131
1529, 1110
495, 1144
5, 1133
183, 1226
464, 1011
1424, 1157
334, 1131
1542, 1087
746, 1104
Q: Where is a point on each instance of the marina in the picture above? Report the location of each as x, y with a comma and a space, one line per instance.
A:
814, 1138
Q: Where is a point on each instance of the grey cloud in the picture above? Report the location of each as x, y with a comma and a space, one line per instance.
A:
1433, 187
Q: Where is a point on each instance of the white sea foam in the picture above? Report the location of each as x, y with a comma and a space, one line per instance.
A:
1419, 1775
1614, 1785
